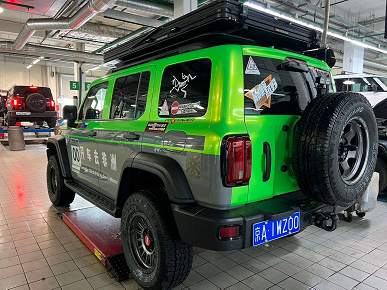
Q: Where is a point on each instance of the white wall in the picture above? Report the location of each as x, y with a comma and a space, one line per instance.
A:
17, 74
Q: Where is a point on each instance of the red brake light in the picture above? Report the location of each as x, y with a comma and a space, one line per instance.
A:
15, 102
239, 160
52, 104
229, 232
33, 87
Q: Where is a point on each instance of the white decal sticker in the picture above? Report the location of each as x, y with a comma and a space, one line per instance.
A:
261, 94
113, 162
181, 109
181, 85
75, 155
104, 159
164, 109
96, 157
82, 153
251, 68
88, 154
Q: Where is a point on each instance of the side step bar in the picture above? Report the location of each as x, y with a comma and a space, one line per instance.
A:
103, 202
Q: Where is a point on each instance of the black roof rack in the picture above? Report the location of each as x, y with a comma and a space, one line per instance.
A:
220, 22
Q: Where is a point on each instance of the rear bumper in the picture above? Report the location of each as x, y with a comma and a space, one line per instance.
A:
26, 115
199, 226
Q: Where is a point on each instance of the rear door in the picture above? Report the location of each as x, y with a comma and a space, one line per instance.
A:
274, 100
121, 135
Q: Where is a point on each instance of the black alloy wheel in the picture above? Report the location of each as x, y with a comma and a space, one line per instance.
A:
353, 150
143, 243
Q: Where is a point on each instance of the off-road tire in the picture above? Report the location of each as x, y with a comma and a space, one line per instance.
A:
381, 168
321, 148
51, 123
172, 260
36, 103
59, 194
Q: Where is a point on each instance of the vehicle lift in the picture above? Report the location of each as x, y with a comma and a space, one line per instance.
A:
101, 233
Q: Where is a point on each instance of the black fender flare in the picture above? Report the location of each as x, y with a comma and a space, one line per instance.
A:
59, 143
169, 171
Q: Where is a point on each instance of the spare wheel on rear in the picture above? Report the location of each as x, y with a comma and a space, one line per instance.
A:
335, 148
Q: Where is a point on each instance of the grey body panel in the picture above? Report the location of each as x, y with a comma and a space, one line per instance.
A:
117, 155
202, 171
88, 169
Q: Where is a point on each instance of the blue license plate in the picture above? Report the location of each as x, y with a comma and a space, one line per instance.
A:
267, 231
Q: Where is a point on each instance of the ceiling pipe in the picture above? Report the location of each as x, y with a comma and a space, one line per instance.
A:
51, 53
146, 7
87, 12
131, 18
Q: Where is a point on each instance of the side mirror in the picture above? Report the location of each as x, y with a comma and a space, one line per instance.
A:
70, 114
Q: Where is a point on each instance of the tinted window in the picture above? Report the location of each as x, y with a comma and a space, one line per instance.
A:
357, 85
94, 102
129, 96
185, 89
269, 88
26, 90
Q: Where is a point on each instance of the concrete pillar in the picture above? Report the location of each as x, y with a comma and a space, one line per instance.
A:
353, 59
182, 7
78, 73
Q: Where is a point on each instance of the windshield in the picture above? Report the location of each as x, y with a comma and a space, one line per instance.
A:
274, 87
383, 80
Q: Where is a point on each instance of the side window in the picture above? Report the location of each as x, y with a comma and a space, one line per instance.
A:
185, 89
93, 105
129, 96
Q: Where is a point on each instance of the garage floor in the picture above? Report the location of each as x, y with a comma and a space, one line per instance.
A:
39, 251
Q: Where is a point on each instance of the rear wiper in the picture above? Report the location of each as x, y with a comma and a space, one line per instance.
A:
294, 66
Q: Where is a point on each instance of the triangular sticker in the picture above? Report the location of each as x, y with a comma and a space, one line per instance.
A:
164, 109
251, 68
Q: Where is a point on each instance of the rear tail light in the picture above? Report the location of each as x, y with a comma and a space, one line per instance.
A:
15, 102
229, 232
52, 104
238, 161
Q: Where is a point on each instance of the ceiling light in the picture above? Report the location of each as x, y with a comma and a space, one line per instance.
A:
1, 10
36, 61
311, 26
348, 82
29, 66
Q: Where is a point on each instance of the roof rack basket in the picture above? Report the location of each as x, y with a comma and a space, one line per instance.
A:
220, 22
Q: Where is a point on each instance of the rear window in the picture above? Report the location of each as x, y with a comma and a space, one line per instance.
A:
185, 89
26, 90
357, 85
271, 90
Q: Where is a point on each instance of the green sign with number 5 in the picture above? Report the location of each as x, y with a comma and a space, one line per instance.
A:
74, 86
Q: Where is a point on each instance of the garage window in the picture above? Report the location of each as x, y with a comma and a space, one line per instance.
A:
185, 89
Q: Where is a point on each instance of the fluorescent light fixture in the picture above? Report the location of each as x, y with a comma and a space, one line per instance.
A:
29, 66
36, 61
1, 10
309, 25
348, 82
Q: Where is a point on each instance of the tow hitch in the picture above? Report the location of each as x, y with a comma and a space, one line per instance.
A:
326, 221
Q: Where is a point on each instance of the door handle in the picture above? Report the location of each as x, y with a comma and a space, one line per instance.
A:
92, 133
267, 152
131, 136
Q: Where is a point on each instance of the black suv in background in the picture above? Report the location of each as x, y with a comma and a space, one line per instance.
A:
30, 104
